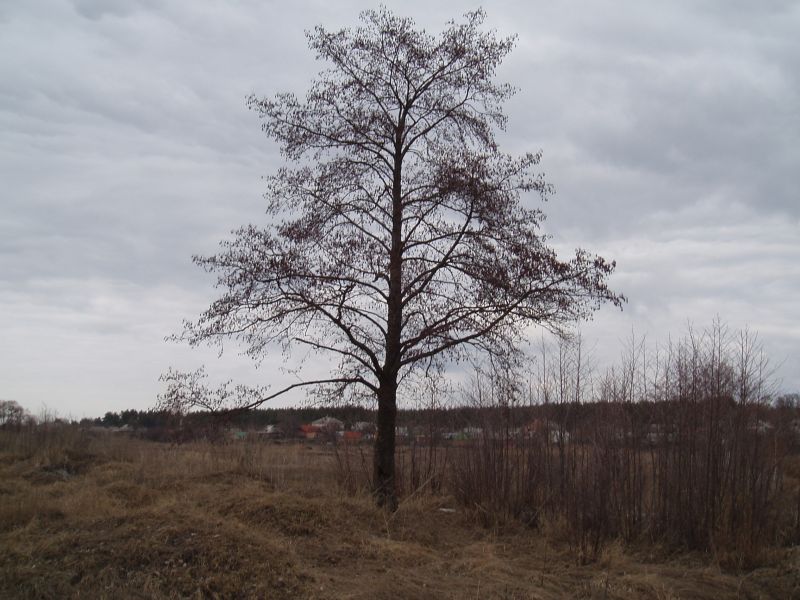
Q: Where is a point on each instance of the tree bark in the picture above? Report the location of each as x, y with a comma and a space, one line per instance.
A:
383, 458
384, 480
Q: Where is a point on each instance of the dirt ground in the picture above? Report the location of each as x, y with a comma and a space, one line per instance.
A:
111, 517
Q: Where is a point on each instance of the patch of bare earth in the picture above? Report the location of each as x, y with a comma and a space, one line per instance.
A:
139, 520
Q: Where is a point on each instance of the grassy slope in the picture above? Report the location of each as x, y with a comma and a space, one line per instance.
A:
117, 518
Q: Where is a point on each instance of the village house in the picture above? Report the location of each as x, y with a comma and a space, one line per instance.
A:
270, 432
309, 432
328, 424
659, 433
350, 436
546, 429
761, 427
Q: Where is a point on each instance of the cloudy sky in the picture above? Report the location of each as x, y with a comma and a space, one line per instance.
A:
671, 131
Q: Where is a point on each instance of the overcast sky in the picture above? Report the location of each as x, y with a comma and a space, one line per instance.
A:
671, 131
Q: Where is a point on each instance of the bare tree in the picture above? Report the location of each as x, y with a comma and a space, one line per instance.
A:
399, 241
12, 414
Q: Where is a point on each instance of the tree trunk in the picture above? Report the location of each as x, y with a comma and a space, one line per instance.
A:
383, 458
383, 480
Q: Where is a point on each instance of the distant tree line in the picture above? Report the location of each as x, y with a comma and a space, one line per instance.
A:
452, 418
12, 414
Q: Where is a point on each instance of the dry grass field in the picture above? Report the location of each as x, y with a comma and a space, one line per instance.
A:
113, 517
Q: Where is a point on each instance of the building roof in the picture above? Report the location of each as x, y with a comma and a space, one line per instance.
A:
328, 422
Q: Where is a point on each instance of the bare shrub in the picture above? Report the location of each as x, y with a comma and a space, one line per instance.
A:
677, 446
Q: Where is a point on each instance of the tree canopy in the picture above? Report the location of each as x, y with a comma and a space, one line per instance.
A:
399, 238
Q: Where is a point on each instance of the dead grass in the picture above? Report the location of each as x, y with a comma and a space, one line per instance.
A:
110, 517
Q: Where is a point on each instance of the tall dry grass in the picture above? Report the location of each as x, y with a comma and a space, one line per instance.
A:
140, 519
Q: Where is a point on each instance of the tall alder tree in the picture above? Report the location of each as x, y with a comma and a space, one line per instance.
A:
398, 241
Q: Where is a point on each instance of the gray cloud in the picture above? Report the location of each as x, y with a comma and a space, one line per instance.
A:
671, 132
97, 9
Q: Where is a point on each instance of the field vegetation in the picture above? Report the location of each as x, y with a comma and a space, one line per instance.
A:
673, 476
90, 515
